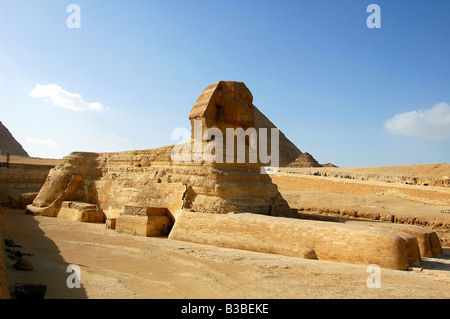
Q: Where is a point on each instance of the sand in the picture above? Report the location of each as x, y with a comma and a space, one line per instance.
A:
115, 265
432, 174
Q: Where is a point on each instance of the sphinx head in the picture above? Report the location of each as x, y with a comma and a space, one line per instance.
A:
224, 104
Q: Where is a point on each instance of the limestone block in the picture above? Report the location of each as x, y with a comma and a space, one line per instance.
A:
146, 211
82, 212
299, 238
144, 221
111, 223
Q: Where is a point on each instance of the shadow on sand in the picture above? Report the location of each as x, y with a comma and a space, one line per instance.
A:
49, 266
440, 264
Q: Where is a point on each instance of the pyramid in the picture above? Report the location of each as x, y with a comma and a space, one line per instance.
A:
8, 144
304, 160
290, 155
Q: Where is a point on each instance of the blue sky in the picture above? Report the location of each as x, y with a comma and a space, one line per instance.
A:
345, 93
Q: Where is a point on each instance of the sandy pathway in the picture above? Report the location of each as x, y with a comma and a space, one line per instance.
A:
116, 265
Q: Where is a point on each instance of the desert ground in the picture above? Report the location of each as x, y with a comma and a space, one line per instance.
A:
116, 265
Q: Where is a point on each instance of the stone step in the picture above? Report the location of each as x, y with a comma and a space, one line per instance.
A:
82, 212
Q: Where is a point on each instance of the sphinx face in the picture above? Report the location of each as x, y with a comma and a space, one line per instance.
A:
235, 107
224, 104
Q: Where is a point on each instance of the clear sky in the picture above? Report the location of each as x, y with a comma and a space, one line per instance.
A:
129, 76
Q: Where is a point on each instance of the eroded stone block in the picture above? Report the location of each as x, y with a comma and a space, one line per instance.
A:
144, 221
82, 212
144, 211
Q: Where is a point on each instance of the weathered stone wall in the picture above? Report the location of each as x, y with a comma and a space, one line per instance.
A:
4, 288
21, 178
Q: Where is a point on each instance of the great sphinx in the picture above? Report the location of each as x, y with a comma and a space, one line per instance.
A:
151, 177
224, 203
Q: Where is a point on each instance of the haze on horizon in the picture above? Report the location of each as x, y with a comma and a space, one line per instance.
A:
129, 76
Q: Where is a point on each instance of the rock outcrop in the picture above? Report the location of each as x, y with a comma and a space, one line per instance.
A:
23, 176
